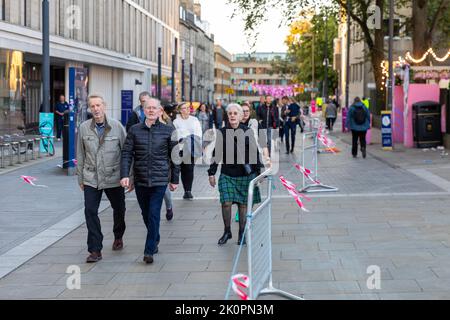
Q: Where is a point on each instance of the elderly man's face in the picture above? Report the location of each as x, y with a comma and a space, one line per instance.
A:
97, 107
152, 110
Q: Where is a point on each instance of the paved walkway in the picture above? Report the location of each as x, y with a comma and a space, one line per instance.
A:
387, 214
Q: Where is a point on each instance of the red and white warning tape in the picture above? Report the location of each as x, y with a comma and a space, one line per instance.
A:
31, 180
239, 282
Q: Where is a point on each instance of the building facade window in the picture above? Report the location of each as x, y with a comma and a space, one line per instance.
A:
3, 15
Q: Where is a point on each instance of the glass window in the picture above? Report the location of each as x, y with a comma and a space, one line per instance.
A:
12, 100
3, 10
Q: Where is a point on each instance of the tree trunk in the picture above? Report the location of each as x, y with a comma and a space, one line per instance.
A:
421, 36
377, 57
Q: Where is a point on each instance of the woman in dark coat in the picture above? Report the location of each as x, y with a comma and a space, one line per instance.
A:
237, 172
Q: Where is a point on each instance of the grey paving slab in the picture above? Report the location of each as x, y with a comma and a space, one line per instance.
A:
321, 287
89, 292
140, 291
30, 292
358, 274
391, 220
394, 286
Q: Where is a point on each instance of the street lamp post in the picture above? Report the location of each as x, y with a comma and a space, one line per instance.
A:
325, 84
46, 56
347, 76
173, 67
159, 62
183, 62
222, 86
391, 83
191, 74
313, 67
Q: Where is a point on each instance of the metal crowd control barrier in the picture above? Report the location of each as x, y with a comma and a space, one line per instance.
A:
310, 160
259, 239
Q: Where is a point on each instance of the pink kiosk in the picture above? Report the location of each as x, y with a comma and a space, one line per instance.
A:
402, 117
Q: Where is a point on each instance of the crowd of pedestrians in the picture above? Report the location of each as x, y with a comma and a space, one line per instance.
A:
160, 146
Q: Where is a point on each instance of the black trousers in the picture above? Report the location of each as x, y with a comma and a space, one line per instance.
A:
282, 130
330, 123
290, 129
59, 126
361, 136
187, 175
92, 198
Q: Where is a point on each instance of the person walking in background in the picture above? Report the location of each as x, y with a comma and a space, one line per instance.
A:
165, 119
189, 131
138, 115
148, 148
219, 115
282, 107
293, 114
358, 120
269, 119
331, 114
205, 117
237, 173
60, 109
100, 142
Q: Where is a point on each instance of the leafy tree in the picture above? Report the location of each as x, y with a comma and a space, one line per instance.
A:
428, 16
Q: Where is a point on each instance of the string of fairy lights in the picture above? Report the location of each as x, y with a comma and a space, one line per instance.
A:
410, 58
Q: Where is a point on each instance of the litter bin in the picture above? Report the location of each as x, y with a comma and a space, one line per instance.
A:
427, 124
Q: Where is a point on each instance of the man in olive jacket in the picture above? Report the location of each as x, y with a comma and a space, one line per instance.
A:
100, 142
148, 148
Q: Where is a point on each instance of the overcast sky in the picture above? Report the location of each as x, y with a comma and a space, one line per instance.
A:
230, 33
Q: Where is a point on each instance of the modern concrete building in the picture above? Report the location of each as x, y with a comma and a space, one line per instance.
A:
197, 46
111, 43
222, 73
255, 69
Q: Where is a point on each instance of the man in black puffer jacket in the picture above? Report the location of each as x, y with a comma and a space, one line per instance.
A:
149, 146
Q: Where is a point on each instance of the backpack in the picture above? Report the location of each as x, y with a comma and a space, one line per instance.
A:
359, 115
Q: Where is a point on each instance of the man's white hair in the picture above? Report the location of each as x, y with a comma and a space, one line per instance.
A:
158, 102
96, 96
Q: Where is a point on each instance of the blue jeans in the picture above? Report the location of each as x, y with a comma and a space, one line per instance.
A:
150, 201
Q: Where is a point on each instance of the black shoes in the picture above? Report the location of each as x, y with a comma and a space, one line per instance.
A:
117, 245
169, 214
364, 154
188, 196
226, 236
241, 240
148, 259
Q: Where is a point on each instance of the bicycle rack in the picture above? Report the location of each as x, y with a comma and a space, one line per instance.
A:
37, 141
23, 143
3, 146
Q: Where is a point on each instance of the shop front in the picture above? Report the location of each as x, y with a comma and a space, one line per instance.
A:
12, 92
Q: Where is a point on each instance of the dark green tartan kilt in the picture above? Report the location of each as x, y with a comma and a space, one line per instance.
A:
235, 189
